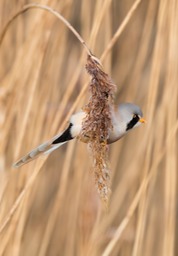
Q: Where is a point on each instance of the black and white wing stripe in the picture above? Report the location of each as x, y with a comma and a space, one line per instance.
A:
46, 148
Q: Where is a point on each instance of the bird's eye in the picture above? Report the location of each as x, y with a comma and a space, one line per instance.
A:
135, 115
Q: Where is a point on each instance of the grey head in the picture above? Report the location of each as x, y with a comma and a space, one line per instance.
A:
131, 115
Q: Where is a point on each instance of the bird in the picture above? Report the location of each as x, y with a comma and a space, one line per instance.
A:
124, 117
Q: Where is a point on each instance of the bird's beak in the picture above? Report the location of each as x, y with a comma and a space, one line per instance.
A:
142, 120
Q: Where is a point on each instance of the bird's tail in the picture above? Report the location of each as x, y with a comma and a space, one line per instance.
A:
43, 149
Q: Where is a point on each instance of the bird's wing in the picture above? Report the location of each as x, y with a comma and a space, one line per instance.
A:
71, 132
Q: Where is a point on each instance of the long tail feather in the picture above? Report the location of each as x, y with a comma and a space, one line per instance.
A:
45, 148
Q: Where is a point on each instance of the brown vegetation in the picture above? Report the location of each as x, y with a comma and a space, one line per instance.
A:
50, 206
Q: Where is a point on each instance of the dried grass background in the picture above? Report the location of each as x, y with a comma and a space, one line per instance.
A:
50, 206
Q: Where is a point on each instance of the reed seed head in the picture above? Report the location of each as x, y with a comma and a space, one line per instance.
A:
97, 124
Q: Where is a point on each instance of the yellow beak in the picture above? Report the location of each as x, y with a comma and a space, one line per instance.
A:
142, 120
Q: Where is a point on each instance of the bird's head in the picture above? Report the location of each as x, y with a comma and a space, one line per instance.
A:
131, 115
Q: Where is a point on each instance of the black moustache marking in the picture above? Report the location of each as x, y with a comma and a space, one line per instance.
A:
65, 136
133, 122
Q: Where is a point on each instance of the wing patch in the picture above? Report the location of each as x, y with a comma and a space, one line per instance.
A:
65, 136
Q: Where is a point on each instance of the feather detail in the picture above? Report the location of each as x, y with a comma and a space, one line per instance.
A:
43, 149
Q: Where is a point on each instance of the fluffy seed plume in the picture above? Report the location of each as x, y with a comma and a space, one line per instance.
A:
97, 124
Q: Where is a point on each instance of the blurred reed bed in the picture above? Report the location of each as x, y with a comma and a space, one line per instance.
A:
50, 206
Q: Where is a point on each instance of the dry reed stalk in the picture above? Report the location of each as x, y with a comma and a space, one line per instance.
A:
13, 209
71, 28
55, 13
144, 202
156, 207
171, 159
143, 49
139, 194
104, 54
19, 199
25, 8
121, 28
55, 210
101, 8
60, 197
